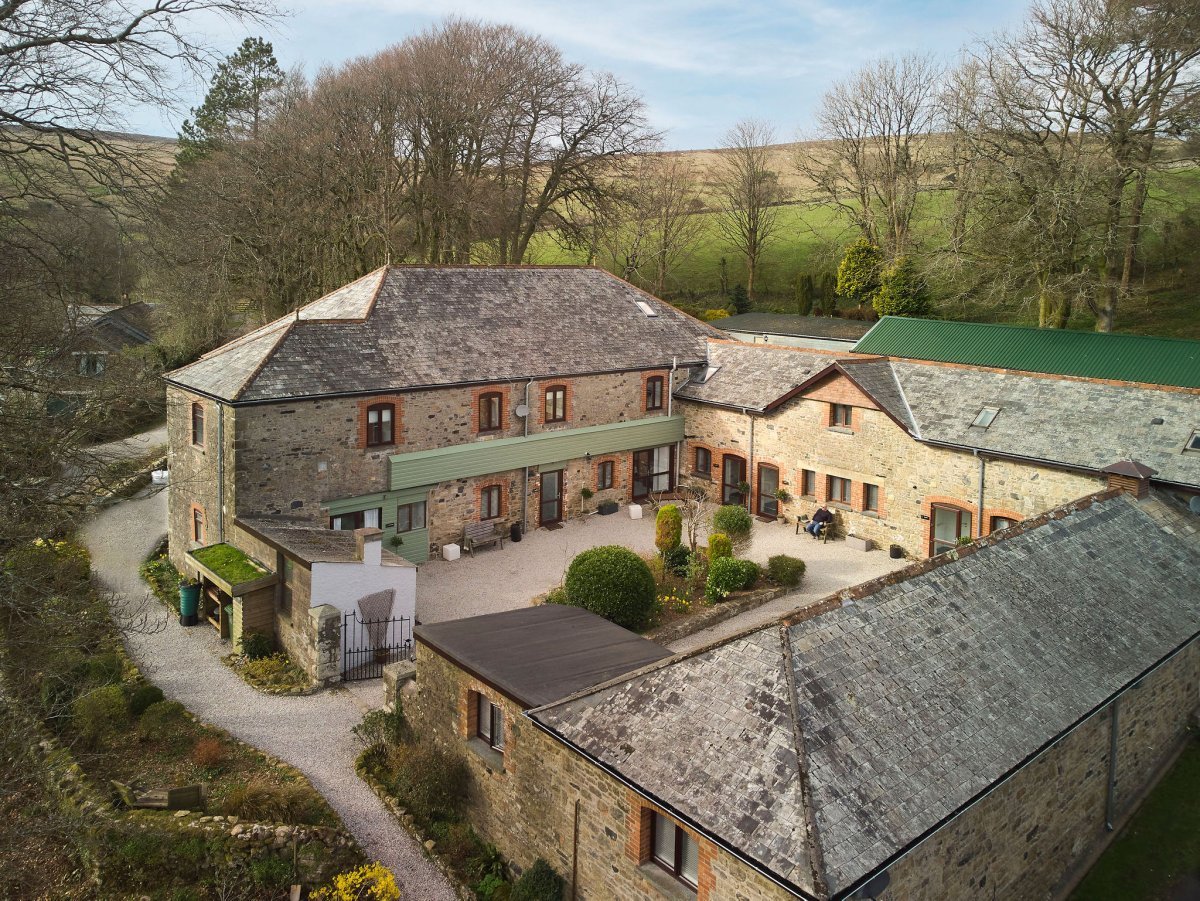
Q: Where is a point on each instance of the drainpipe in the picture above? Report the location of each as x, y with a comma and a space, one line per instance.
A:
670, 409
575, 855
1110, 801
220, 472
525, 469
979, 512
750, 464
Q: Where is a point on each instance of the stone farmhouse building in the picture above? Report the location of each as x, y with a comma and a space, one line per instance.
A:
922, 454
975, 725
416, 400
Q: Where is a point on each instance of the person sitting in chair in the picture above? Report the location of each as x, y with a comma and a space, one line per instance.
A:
819, 520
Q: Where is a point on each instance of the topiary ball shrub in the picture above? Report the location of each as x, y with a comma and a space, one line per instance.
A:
143, 696
733, 520
538, 883
612, 582
750, 571
784, 570
256, 645
719, 546
724, 578
668, 528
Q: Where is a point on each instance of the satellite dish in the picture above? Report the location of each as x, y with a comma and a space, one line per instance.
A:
522, 410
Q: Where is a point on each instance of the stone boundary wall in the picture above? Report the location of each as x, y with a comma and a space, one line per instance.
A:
738, 603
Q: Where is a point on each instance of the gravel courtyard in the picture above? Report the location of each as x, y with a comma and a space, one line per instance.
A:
506, 578
311, 733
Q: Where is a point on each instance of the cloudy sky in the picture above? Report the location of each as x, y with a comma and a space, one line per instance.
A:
700, 64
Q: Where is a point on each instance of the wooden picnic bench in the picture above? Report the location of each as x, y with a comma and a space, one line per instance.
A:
478, 534
189, 797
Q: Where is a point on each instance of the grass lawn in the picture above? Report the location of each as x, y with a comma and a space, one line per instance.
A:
1157, 856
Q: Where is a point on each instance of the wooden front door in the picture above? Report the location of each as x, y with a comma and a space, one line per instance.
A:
551, 509
733, 474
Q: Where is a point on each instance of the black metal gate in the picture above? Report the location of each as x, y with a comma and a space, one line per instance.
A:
368, 645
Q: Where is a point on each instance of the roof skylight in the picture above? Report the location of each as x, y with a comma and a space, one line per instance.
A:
646, 308
985, 417
1193, 443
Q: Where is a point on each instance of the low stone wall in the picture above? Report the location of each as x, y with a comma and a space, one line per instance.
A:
737, 603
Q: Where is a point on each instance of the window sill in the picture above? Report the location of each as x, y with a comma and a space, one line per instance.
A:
378, 447
871, 513
668, 885
840, 429
706, 478
838, 505
492, 759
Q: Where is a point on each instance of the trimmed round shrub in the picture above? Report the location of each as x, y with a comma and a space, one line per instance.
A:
784, 570
538, 883
726, 575
677, 559
99, 712
733, 520
612, 582
256, 645
668, 528
719, 546
143, 696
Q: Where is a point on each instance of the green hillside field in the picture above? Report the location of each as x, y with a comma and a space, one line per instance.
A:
810, 236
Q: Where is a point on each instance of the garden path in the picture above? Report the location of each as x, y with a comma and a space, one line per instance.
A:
310, 733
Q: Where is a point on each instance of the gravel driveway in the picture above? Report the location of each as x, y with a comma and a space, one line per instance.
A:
311, 733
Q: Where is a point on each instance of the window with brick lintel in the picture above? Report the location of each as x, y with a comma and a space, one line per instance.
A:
381, 424
556, 403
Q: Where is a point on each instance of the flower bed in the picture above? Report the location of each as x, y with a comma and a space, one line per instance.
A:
274, 674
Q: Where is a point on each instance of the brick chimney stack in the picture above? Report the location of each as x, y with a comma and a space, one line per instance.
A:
368, 546
1130, 476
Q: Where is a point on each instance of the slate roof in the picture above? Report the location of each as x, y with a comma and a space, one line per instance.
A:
312, 544
1076, 423
753, 376
925, 690
404, 327
825, 327
540, 654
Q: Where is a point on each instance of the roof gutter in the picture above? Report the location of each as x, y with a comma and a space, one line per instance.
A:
780, 881
1012, 771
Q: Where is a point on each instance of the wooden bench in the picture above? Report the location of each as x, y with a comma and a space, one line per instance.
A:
189, 797
478, 534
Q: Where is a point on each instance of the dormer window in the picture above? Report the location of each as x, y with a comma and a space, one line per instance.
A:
985, 417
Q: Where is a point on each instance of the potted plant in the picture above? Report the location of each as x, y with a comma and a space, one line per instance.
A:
189, 600
586, 494
783, 496
743, 492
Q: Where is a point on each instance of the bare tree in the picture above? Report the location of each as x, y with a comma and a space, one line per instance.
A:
1061, 125
880, 151
748, 193
652, 225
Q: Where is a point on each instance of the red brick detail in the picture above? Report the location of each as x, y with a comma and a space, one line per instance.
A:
397, 401
837, 389
666, 380
990, 512
687, 466
540, 399
506, 408
858, 498
927, 504
620, 472
504, 500
706, 880
639, 839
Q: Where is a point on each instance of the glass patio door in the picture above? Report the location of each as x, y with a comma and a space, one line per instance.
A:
768, 484
733, 474
948, 525
551, 498
653, 471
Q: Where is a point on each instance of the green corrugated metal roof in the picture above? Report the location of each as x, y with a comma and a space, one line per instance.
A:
503, 454
1126, 358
